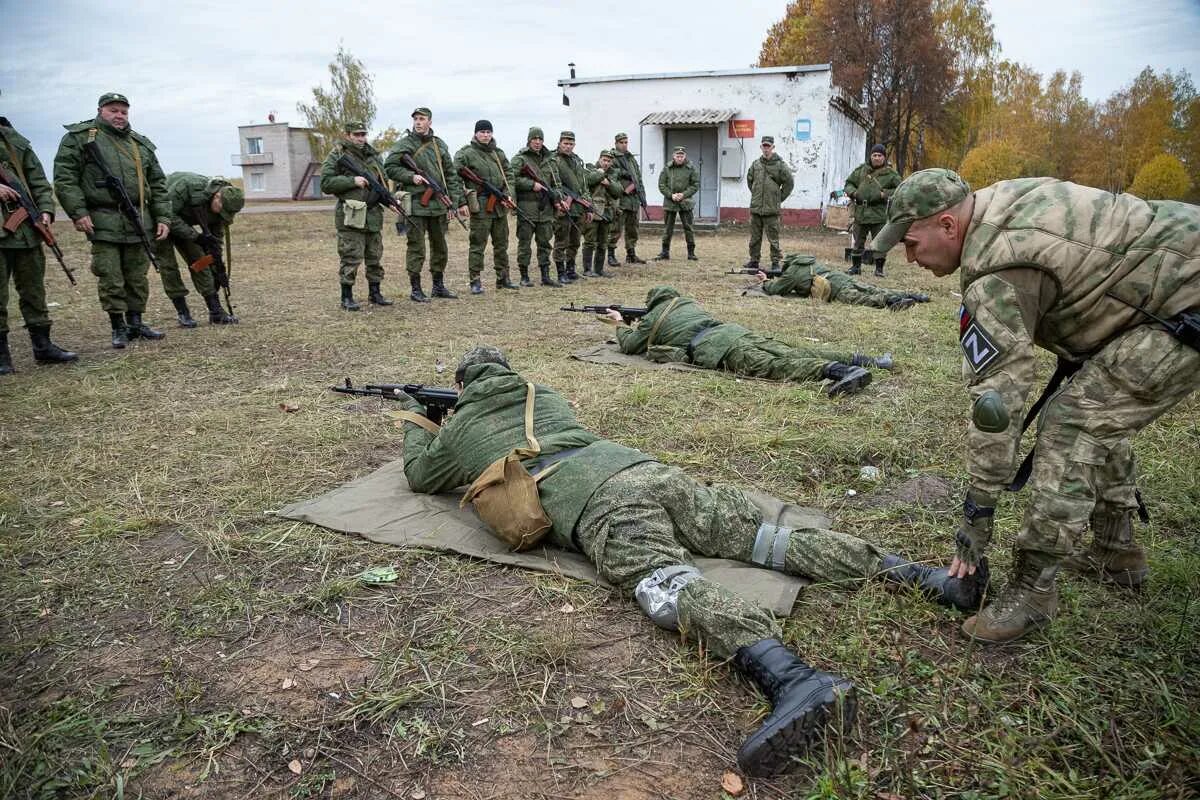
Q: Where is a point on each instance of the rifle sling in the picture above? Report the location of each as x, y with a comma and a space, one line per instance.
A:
1062, 371
419, 420
135, 154
503, 176
658, 322
16, 162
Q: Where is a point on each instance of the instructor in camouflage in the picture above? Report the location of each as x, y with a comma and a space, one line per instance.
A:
1111, 285
641, 523
870, 186
770, 182
485, 159
803, 277
678, 182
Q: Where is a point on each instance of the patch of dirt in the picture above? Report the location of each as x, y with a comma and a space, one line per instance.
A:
930, 491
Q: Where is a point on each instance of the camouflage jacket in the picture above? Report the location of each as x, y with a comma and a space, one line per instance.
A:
433, 157
530, 201
80, 187
680, 324
1039, 259
489, 421
339, 181
770, 181
630, 172
870, 189
797, 279
190, 195
568, 171
604, 196
489, 163
21, 163
678, 178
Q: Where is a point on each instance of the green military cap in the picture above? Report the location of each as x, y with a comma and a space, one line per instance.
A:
607, 153
423, 111
111, 97
355, 127
481, 354
233, 200
681, 149
535, 133
920, 195
767, 140
568, 136
621, 137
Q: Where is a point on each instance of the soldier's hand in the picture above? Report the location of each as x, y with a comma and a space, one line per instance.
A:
677, 196
537, 187
8, 194
614, 315
631, 188
760, 276
463, 211
85, 225
161, 231
47, 219
419, 180
360, 181
971, 540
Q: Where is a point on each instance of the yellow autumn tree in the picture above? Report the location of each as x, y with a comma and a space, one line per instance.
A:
995, 160
1161, 178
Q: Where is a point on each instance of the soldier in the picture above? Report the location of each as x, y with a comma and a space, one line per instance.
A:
430, 217
535, 207
630, 174
804, 277
770, 182
119, 259
209, 204
678, 183
678, 329
605, 190
358, 216
567, 172
21, 256
641, 523
870, 186
1111, 285
489, 217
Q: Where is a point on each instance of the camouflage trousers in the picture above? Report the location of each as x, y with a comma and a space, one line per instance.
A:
652, 515
855, 293
566, 238
768, 224
861, 231
595, 234
26, 266
357, 247
121, 272
168, 267
1084, 459
527, 232
625, 221
483, 228
689, 233
761, 357
419, 229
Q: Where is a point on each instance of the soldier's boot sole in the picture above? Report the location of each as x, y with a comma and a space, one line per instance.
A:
789, 732
857, 380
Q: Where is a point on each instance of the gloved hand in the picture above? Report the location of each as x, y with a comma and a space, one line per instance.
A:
919, 297
971, 541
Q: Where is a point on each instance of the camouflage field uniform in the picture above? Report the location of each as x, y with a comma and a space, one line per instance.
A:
629, 206
541, 228
797, 279
567, 171
629, 514
190, 196
21, 255
685, 179
605, 198
490, 163
678, 329
870, 187
426, 221
770, 182
361, 243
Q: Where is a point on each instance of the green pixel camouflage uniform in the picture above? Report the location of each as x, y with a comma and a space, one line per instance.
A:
118, 260
629, 210
605, 198
362, 242
674, 178
567, 171
797, 279
678, 329
1039, 259
190, 196
490, 163
770, 181
425, 221
21, 255
530, 203
629, 514
870, 187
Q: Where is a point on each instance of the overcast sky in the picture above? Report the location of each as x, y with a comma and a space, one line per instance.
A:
196, 69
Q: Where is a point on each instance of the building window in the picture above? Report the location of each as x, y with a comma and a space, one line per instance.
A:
254, 146
257, 184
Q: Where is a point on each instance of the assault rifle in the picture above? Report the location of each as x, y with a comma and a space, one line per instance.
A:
27, 213
494, 193
628, 172
575, 197
628, 313
116, 187
432, 187
548, 194
437, 401
770, 273
212, 256
379, 193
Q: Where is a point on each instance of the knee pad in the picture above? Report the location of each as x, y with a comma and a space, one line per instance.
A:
770, 546
658, 593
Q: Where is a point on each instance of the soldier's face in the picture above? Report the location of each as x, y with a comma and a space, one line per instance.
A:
605, 163
566, 146
622, 146
934, 243
420, 124
535, 144
216, 204
483, 137
358, 137
115, 114
679, 158
877, 159
768, 149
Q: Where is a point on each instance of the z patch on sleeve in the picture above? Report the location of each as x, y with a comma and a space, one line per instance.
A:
979, 348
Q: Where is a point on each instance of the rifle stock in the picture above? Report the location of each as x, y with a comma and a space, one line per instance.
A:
27, 213
433, 188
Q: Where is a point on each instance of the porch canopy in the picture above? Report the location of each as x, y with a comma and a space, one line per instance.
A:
690, 116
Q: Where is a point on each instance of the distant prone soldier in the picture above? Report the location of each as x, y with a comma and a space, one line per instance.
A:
802, 276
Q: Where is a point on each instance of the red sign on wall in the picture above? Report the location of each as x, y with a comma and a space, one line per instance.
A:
741, 129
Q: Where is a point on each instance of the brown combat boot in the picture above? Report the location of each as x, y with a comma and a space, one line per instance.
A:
1113, 556
1028, 602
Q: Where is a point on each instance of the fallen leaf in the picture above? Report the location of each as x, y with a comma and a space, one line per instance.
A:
732, 783
129, 763
295, 766
479, 722
418, 794
190, 431
289, 408
578, 702
78, 522
58, 503
567, 608
307, 664
287, 683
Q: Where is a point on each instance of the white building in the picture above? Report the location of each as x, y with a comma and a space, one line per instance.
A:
277, 162
719, 116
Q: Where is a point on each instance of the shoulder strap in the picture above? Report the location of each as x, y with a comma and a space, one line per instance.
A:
16, 161
534, 448
499, 166
135, 154
404, 415
658, 322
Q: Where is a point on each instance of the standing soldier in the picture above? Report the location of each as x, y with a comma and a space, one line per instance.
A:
678, 183
119, 259
210, 204
631, 202
870, 186
489, 218
567, 172
770, 183
21, 253
358, 216
604, 189
430, 217
535, 207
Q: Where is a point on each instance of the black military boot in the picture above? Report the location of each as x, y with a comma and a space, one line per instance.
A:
348, 301
879, 268
598, 264
884, 361
588, 272
803, 701
504, 283
183, 312
612, 257
544, 269
751, 264
775, 266
963, 594
418, 294
855, 265
6, 367
572, 275
440, 290
137, 328
563, 277
375, 295
664, 254
631, 257
46, 351
692, 252
846, 379
476, 287
216, 314
120, 336
525, 282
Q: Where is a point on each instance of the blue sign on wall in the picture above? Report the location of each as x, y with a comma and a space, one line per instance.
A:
803, 130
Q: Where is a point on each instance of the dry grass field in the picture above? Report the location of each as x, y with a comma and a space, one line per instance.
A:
164, 636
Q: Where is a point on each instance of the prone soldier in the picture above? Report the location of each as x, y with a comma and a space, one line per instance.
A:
678, 182
804, 277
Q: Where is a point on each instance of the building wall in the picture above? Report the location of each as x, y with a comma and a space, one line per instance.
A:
290, 151
847, 149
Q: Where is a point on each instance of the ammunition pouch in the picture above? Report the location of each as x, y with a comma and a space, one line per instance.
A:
405, 200
472, 201
354, 214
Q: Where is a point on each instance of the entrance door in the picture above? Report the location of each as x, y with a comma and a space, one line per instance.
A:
701, 144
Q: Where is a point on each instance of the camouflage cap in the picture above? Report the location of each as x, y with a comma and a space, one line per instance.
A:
111, 97
606, 153
920, 195
621, 137
233, 200
767, 140
681, 149
355, 127
423, 111
567, 136
535, 133
480, 354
